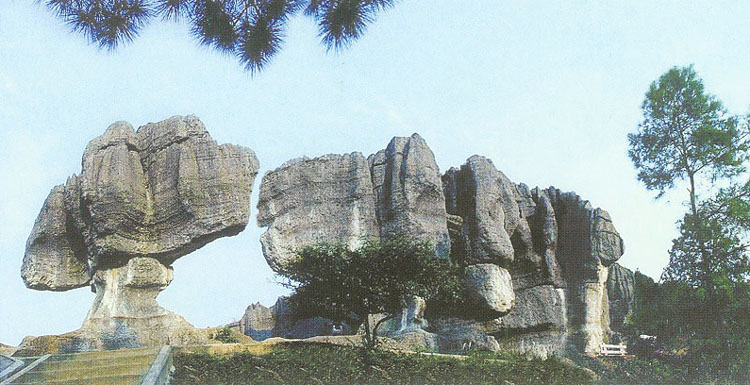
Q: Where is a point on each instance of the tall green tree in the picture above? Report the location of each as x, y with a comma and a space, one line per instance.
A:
252, 30
334, 281
687, 138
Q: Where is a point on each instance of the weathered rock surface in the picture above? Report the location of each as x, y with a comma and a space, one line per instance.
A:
56, 257
587, 244
257, 322
306, 201
484, 198
347, 199
621, 291
260, 323
7, 350
409, 192
537, 260
143, 199
489, 289
411, 319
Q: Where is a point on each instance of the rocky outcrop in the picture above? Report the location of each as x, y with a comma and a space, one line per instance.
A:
7, 350
536, 260
142, 200
260, 323
409, 193
489, 290
484, 198
621, 291
257, 322
347, 199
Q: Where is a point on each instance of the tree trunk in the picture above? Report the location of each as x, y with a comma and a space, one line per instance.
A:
706, 280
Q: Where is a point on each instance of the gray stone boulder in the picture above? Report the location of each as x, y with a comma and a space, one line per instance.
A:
489, 290
306, 201
142, 200
411, 319
258, 322
536, 324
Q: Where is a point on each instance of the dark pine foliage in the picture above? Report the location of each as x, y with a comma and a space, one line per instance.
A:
252, 30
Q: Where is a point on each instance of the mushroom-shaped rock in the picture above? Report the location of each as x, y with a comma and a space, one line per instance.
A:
143, 199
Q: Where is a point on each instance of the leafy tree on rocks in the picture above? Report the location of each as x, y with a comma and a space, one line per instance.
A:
331, 280
687, 136
252, 30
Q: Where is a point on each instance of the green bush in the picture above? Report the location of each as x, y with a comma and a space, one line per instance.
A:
225, 335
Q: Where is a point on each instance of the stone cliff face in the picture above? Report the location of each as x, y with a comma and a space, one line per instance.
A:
345, 198
536, 260
621, 291
142, 200
334, 194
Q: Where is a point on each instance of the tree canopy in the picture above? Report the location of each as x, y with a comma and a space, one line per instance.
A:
685, 133
687, 136
331, 280
252, 30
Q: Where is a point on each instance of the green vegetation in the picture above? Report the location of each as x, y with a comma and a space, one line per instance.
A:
687, 137
684, 352
685, 370
225, 335
333, 281
326, 364
699, 310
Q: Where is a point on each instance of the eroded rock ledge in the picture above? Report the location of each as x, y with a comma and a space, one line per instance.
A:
142, 200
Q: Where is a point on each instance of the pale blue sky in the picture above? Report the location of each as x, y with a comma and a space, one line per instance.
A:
547, 89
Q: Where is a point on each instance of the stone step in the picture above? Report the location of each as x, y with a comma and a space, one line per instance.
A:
122, 367
110, 370
102, 380
74, 375
105, 354
56, 365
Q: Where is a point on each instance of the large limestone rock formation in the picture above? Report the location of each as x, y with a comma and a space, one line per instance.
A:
536, 260
142, 200
258, 322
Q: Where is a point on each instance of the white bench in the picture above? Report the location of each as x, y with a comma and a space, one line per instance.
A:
613, 350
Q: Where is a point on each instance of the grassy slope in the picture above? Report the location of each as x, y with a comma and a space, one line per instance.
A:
325, 364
